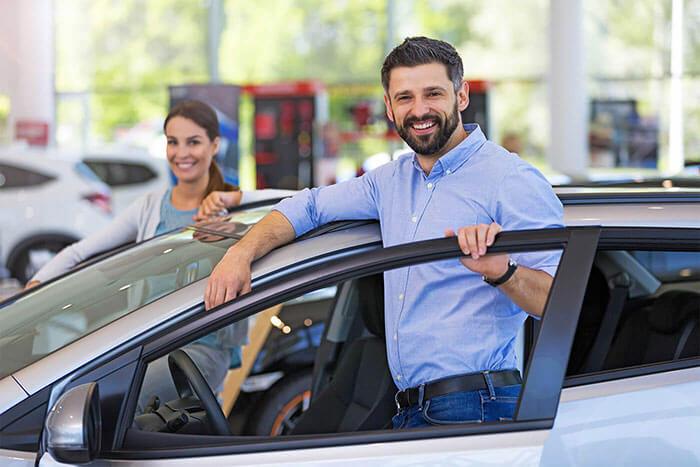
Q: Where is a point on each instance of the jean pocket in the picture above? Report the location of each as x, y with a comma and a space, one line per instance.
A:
449, 414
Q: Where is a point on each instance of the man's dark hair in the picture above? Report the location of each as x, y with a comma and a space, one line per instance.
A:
421, 50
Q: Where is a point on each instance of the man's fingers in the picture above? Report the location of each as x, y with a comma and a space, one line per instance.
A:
472, 242
449, 233
462, 239
219, 295
481, 232
207, 295
494, 229
230, 294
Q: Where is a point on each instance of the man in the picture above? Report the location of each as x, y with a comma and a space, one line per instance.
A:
450, 325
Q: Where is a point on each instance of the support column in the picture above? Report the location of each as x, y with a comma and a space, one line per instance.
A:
27, 60
568, 149
675, 160
216, 20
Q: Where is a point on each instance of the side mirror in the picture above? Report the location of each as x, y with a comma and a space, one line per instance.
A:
73, 427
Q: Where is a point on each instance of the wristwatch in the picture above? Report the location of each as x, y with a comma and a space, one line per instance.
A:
512, 266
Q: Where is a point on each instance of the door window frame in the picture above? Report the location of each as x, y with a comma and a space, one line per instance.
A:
534, 411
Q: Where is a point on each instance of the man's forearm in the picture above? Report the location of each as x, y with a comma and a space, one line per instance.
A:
272, 231
529, 289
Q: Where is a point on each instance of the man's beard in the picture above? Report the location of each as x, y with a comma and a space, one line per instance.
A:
427, 145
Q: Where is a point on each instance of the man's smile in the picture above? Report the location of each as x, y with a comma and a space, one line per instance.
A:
424, 127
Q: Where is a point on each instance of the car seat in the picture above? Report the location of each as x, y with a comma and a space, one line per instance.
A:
360, 396
664, 330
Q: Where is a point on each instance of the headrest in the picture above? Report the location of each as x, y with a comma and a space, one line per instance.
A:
371, 291
673, 309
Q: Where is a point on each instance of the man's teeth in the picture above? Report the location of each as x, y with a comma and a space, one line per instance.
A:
423, 126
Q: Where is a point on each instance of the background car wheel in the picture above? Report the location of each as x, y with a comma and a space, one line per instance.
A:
278, 411
33, 258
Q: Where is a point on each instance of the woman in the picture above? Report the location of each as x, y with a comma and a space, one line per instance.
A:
192, 131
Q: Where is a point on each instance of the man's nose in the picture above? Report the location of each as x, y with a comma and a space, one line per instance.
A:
420, 107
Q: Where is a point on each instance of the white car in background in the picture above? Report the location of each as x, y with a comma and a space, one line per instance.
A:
47, 200
130, 172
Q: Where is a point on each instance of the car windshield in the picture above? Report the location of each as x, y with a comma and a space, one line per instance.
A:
82, 301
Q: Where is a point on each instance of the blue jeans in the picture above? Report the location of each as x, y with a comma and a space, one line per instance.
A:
483, 405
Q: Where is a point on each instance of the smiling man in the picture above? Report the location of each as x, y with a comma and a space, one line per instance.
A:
450, 329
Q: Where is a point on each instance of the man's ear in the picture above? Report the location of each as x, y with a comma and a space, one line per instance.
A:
389, 110
463, 96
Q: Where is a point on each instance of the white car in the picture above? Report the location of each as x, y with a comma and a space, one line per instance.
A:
47, 200
129, 172
611, 373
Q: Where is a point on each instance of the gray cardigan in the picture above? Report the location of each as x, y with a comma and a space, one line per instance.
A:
138, 222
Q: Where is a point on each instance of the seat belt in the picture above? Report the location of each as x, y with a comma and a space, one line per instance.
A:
687, 330
599, 350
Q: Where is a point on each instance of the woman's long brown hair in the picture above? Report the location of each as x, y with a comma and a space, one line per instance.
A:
205, 117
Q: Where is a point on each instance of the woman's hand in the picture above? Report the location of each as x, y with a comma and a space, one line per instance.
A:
31, 284
216, 203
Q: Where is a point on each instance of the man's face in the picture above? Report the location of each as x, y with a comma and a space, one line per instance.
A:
421, 101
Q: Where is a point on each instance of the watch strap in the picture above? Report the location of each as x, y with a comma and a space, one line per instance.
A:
512, 266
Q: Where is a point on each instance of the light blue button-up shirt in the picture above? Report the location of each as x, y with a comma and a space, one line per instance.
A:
442, 319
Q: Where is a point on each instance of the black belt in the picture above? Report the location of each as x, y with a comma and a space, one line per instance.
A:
463, 383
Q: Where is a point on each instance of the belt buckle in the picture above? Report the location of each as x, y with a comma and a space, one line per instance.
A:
396, 400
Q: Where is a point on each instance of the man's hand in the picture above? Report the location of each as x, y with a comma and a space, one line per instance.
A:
31, 284
229, 279
216, 203
474, 240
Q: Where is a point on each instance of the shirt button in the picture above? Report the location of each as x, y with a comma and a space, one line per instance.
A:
414, 219
449, 171
430, 185
400, 296
398, 377
396, 336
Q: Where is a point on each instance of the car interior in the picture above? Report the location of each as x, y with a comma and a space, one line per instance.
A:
629, 317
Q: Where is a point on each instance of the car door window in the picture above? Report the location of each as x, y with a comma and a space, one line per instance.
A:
17, 177
259, 369
322, 395
116, 174
641, 307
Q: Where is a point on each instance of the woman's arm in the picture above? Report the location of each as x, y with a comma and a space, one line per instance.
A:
123, 229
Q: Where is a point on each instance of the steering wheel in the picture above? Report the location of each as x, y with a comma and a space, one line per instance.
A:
187, 377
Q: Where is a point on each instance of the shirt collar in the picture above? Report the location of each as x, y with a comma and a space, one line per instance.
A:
458, 155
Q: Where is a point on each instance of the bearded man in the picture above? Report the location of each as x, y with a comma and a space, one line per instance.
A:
450, 326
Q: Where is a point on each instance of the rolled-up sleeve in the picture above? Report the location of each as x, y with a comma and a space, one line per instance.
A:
526, 201
349, 200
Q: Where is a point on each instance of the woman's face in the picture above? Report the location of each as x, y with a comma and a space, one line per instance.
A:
189, 149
